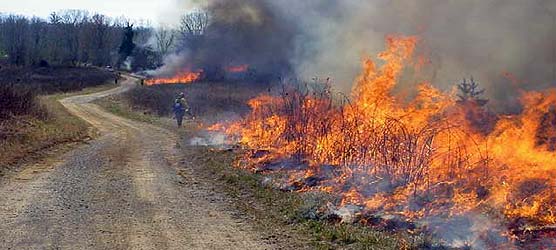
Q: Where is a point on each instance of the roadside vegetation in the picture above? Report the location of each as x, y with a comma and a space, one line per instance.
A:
51, 80
25, 136
209, 101
31, 118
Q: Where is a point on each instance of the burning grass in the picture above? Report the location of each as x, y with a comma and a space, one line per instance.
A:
304, 213
421, 160
181, 78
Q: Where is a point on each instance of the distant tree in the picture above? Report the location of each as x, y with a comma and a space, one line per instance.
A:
470, 91
69, 37
72, 22
37, 41
14, 33
192, 28
127, 46
54, 18
55, 52
100, 40
144, 58
143, 35
165, 38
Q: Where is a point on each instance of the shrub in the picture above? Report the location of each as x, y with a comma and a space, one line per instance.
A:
19, 100
49, 80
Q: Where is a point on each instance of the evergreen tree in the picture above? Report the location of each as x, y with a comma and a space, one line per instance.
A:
470, 92
127, 46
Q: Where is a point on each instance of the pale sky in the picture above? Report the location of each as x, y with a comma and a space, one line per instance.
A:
155, 11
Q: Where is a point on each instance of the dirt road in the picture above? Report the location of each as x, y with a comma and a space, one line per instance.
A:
120, 191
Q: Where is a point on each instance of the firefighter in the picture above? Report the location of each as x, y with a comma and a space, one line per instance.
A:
180, 108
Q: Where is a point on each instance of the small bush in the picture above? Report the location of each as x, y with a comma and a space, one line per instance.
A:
18, 100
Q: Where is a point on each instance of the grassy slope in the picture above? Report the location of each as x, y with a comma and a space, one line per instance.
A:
270, 207
30, 137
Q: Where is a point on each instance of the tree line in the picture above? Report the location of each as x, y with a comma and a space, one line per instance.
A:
77, 38
69, 37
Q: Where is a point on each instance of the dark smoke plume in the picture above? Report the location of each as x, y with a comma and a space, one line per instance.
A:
242, 32
329, 38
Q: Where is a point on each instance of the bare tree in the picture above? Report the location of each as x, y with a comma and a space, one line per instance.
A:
72, 21
100, 54
192, 28
14, 37
68, 37
37, 41
165, 38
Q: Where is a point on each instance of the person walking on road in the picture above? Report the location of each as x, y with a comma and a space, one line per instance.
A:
180, 108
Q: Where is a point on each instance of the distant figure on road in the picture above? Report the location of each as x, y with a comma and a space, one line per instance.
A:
180, 108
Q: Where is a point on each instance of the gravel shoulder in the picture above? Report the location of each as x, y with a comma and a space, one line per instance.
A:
121, 191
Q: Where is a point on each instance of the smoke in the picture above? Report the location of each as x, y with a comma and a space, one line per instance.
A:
329, 38
173, 64
239, 32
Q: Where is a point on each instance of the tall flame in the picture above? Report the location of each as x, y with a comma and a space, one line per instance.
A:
415, 159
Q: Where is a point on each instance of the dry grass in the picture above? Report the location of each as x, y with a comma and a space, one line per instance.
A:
207, 100
18, 100
120, 106
27, 136
52, 80
30, 123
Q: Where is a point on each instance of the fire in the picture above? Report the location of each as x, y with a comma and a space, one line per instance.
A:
237, 69
417, 158
181, 78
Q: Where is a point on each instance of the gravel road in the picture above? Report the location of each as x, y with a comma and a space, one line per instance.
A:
120, 191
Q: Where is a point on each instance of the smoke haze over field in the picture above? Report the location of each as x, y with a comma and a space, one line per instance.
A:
462, 38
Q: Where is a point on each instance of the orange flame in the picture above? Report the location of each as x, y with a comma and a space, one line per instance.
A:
238, 68
181, 78
391, 155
